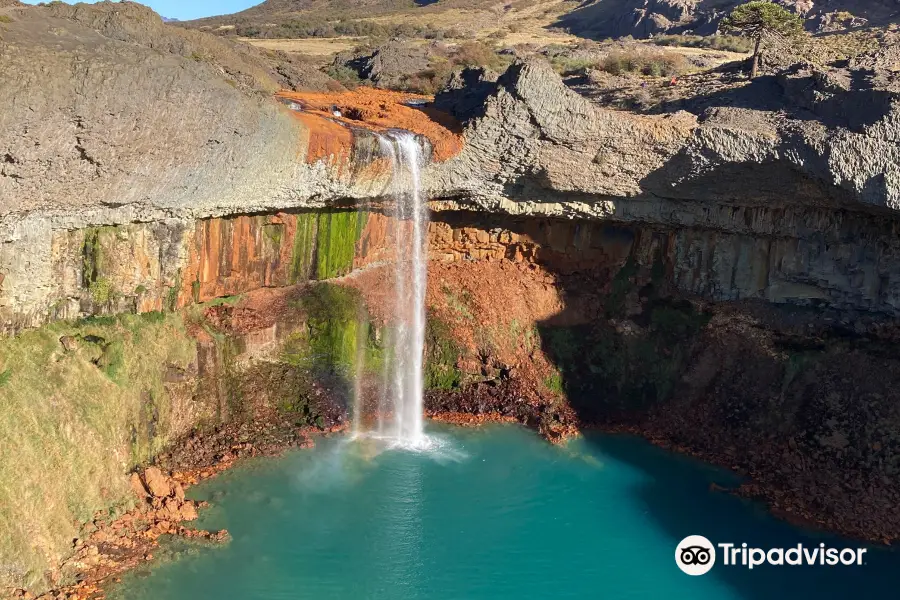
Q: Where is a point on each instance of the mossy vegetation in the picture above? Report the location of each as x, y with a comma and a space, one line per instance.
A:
338, 233
172, 294
102, 291
442, 353
98, 284
304, 246
91, 257
554, 383
78, 409
336, 324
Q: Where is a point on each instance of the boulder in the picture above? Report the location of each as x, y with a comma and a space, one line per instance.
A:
158, 484
137, 486
69, 343
390, 65
465, 92
188, 511
171, 510
178, 491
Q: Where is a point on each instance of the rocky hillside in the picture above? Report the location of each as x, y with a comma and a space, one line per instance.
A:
642, 18
830, 132
99, 100
597, 19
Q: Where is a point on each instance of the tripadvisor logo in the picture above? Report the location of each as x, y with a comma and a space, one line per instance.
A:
696, 555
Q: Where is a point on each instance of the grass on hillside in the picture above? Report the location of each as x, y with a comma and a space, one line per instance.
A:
86, 415
727, 43
620, 62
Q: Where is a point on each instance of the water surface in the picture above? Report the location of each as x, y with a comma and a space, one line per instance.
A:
492, 513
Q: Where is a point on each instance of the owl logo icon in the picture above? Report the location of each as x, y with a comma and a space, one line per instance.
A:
695, 555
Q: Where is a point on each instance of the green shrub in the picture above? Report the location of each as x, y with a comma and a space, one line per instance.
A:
344, 75
661, 64
5, 19
431, 80
102, 291
571, 66
478, 54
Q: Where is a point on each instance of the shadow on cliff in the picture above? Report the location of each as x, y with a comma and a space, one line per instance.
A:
675, 491
622, 347
797, 93
613, 376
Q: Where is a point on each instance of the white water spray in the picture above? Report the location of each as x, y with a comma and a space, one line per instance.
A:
400, 410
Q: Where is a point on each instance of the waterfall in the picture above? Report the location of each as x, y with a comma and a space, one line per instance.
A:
401, 406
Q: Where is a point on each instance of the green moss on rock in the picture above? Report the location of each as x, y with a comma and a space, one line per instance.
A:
442, 354
338, 233
302, 256
336, 324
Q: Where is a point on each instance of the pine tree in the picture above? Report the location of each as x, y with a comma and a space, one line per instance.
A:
758, 18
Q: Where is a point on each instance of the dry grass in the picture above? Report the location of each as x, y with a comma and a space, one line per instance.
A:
308, 46
661, 64
72, 423
727, 43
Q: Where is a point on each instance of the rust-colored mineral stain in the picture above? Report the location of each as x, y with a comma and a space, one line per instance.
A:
327, 140
378, 110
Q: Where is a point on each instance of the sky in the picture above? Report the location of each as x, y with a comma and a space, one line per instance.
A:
188, 9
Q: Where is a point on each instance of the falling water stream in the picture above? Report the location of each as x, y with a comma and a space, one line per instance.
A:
400, 407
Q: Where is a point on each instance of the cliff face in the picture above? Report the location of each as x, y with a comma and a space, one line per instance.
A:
800, 203
111, 117
795, 206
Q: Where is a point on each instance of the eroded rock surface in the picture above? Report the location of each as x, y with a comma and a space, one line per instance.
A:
534, 141
642, 18
106, 106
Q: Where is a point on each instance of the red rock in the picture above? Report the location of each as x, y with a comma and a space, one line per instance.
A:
179, 492
157, 483
173, 510
188, 511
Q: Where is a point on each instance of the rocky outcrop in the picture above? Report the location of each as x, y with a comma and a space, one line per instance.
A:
108, 108
600, 19
555, 144
388, 66
535, 147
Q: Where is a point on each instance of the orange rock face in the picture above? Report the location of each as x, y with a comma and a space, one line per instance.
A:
374, 109
231, 256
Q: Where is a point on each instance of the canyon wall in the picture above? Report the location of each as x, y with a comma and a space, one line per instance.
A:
801, 256
587, 265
